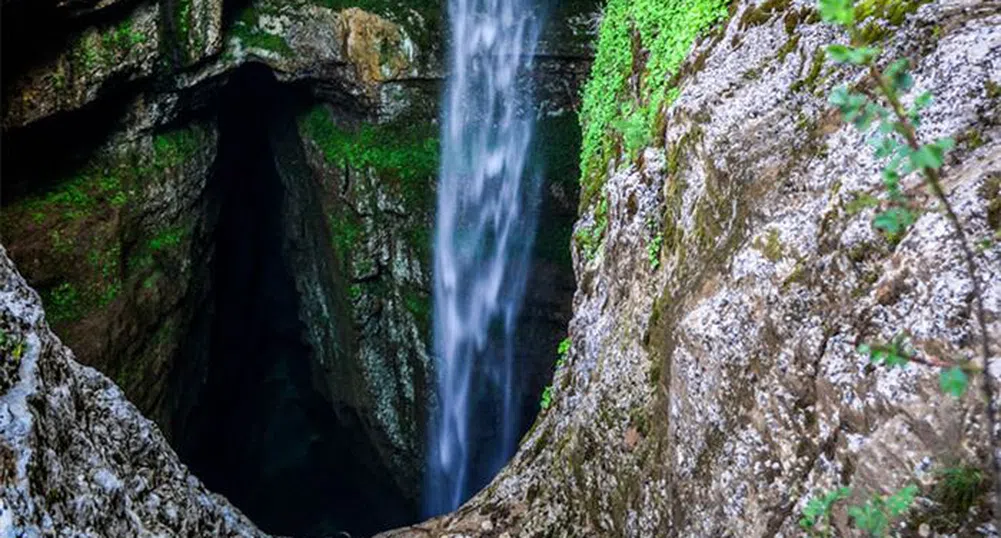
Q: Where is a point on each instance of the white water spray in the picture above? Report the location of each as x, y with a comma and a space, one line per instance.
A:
485, 227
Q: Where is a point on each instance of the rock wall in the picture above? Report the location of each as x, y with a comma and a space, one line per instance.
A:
76, 458
724, 280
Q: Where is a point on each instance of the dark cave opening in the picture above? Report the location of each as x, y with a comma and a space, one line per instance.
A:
258, 430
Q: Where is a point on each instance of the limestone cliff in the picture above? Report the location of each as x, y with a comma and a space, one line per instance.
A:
76, 458
724, 280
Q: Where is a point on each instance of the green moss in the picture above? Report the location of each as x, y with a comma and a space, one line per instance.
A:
758, 15
790, 45
345, 230
972, 138
771, 247
590, 238
168, 238
104, 263
161, 244
992, 89
894, 12
355, 292
62, 303
173, 148
404, 154
809, 83
666, 30
797, 276
88, 190
792, 20
122, 37
418, 303
990, 191
253, 36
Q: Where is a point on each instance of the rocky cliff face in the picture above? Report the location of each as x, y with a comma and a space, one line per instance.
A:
75, 456
724, 280
175, 133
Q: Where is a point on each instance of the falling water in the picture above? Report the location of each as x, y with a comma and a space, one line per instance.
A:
485, 228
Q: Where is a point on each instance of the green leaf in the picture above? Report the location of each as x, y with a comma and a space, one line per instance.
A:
850, 104
837, 11
839, 97
928, 156
547, 398
853, 55
895, 353
869, 518
898, 76
953, 381
838, 53
891, 179
814, 508
901, 501
860, 203
923, 100
884, 145
563, 351
894, 220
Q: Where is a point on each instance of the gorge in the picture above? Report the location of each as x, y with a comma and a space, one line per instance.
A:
221, 319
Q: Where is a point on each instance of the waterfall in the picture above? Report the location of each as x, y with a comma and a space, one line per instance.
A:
485, 227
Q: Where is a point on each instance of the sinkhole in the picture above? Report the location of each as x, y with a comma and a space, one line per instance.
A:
260, 430
244, 404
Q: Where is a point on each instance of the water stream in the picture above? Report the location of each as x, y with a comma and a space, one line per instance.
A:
486, 219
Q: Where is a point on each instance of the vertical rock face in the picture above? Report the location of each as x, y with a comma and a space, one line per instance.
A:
713, 385
75, 456
111, 246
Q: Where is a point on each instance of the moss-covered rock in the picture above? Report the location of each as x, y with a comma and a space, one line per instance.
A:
376, 185
109, 249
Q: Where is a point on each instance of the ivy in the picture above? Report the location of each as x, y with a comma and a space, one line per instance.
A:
873, 517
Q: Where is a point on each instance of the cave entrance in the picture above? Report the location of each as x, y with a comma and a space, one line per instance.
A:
257, 429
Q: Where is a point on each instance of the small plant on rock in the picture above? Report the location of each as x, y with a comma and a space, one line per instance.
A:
816, 520
547, 398
877, 107
563, 351
873, 517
